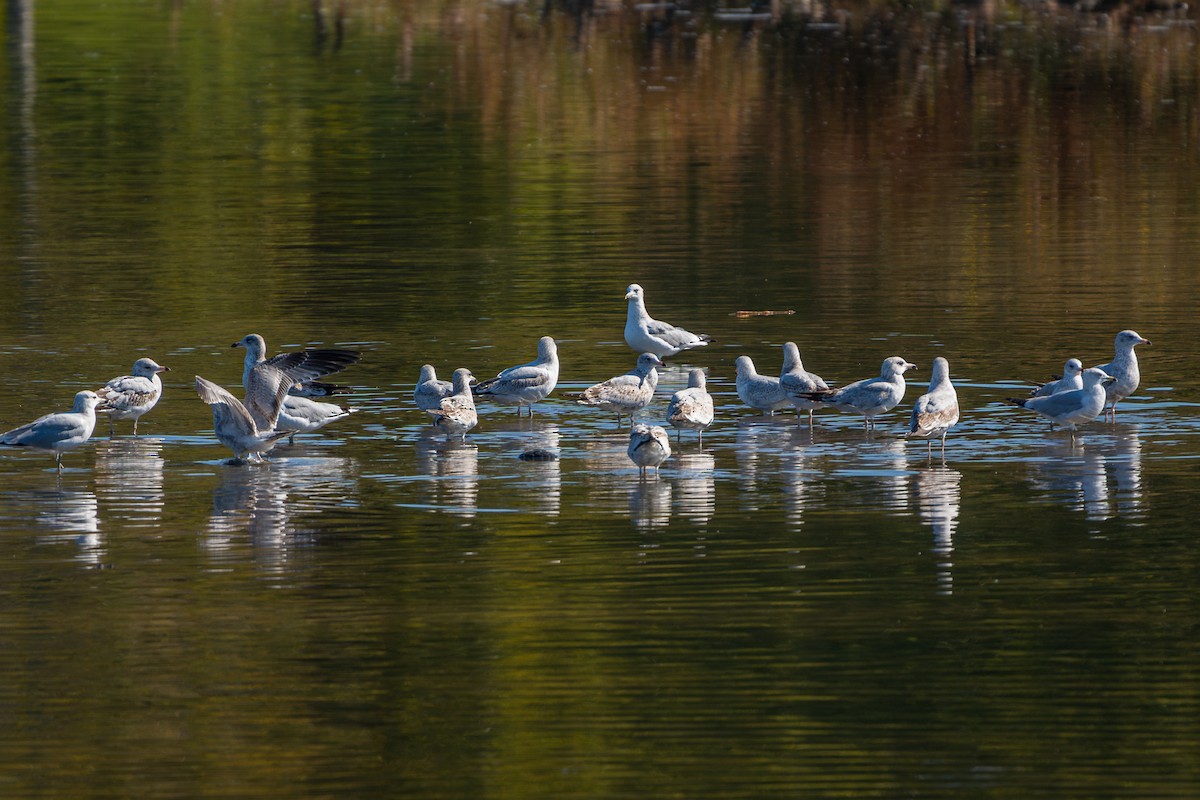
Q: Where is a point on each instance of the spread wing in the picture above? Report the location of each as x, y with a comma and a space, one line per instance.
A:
266, 390
228, 411
307, 365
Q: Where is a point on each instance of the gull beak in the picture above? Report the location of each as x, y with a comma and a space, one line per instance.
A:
163, 369
236, 344
1146, 341
630, 295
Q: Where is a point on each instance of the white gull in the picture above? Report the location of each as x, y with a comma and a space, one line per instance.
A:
131, 396
429, 391
870, 396
1123, 367
1071, 379
648, 447
627, 394
647, 335
59, 432
1074, 407
525, 384
691, 407
795, 379
759, 391
455, 415
936, 411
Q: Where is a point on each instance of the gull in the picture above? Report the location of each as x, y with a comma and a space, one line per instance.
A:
627, 394
302, 415
936, 411
59, 432
648, 447
870, 396
759, 391
1123, 367
305, 365
429, 391
131, 396
455, 415
794, 379
647, 335
1071, 379
525, 384
1076, 406
691, 407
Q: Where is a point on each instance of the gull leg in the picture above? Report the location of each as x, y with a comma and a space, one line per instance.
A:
58, 460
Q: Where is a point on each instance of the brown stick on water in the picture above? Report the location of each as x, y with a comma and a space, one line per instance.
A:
744, 314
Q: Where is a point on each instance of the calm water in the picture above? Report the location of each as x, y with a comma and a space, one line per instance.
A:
785, 612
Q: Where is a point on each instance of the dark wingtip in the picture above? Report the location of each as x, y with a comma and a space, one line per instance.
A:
1014, 401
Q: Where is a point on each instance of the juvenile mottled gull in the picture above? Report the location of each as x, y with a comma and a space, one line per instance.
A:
870, 396
1072, 378
430, 391
247, 429
301, 415
455, 415
627, 394
759, 391
525, 384
648, 447
936, 411
131, 396
691, 407
1074, 407
794, 379
1123, 367
57, 433
647, 335
306, 365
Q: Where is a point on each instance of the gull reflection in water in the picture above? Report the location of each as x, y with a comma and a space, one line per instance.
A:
613, 483
802, 486
75, 517
695, 486
1085, 472
937, 504
129, 477
453, 469
541, 472
755, 438
270, 502
650, 503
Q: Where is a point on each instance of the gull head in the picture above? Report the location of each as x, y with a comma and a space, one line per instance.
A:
254, 344
791, 357
895, 365
1094, 375
1130, 339
633, 292
86, 401
1072, 368
647, 362
547, 347
744, 366
941, 369
427, 373
463, 379
696, 379
148, 368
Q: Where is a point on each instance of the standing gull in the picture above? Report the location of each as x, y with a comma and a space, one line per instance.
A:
455, 415
691, 407
647, 335
1074, 407
936, 411
627, 394
525, 384
429, 391
759, 391
870, 396
1071, 379
794, 379
131, 396
648, 447
306, 365
59, 432
1123, 367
